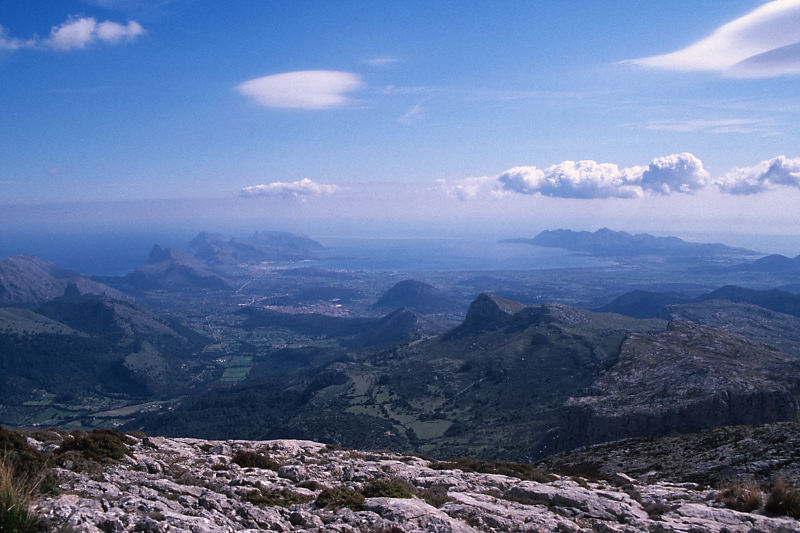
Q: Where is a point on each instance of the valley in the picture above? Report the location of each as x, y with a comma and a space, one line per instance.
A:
226, 342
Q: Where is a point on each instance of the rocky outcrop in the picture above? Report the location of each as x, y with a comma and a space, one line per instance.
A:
187, 485
685, 379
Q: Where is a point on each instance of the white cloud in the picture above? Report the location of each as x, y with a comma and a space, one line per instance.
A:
411, 115
683, 173
76, 33
381, 61
763, 43
571, 179
767, 175
305, 89
299, 190
674, 173
467, 188
734, 125
11, 43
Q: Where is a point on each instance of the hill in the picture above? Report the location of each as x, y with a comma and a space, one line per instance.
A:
80, 350
26, 280
773, 299
605, 242
216, 249
171, 269
397, 327
417, 296
775, 264
645, 304
641, 304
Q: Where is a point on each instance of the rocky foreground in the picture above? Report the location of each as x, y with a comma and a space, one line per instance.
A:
199, 486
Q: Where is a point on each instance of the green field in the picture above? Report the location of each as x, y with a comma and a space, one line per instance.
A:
236, 369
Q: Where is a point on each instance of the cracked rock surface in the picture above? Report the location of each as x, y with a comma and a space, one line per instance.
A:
191, 485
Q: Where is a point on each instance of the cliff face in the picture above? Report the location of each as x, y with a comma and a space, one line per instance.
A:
685, 379
188, 485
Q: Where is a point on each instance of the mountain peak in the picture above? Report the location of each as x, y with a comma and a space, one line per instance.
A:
489, 311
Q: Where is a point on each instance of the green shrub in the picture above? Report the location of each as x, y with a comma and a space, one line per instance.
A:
25, 460
435, 496
742, 496
522, 471
275, 497
386, 488
783, 500
252, 459
99, 445
338, 498
309, 484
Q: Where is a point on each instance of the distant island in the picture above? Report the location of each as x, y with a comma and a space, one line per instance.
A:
606, 242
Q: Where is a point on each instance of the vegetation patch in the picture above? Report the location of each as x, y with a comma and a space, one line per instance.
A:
522, 471
22, 458
275, 497
742, 496
253, 459
386, 488
435, 496
783, 500
100, 445
340, 497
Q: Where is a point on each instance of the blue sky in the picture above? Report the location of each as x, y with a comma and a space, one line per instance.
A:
640, 115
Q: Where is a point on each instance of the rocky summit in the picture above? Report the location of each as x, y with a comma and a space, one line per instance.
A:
189, 485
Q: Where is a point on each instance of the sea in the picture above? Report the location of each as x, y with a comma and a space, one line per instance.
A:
119, 252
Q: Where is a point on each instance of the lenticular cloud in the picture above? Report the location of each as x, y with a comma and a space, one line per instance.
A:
763, 43
589, 179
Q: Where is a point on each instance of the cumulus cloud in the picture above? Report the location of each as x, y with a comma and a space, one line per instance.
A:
571, 179
676, 173
767, 175
763, 43
76, 33
299, 190
305, 89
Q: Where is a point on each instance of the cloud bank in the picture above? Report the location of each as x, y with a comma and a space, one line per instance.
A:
77, 33
304, 89
763, 43
767, 175
298, 190
677, 173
